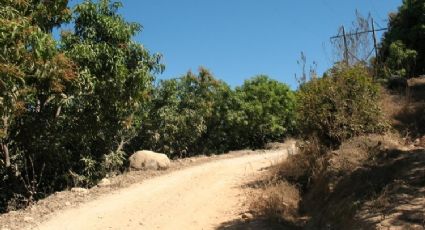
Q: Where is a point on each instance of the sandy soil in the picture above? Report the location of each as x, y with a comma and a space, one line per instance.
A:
199, 197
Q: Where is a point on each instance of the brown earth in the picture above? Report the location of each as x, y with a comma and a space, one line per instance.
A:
42, 210
205, 196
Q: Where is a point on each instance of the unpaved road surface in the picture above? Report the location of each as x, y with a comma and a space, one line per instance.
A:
199, 197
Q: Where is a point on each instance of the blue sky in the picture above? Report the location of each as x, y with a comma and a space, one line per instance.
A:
238, 39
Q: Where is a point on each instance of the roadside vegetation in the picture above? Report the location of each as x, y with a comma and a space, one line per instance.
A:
361, 154
74, 109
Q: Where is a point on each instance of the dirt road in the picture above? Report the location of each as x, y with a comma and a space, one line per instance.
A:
199, 197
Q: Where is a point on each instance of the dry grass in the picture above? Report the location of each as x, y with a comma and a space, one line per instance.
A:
400, 203
392, 105
277, 202
373, 175
288, 143
368, 180
329, 186
353, 153
406, 110
411, 121
278, 196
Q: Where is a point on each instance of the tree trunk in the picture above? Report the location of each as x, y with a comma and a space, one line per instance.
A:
6, 156
3, 144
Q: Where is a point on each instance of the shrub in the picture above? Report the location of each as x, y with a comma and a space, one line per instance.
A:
65, 106
265, 111
400, 60
277, 202
198, 114
114, 161
188, 116
301, 168
342, 104
116, 78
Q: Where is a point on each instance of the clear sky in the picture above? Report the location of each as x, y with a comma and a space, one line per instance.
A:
238, 39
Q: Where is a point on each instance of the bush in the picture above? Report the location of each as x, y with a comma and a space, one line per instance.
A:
198, 114
265, 111
299, 168
277, 202
188, 116
342, 104
67, 107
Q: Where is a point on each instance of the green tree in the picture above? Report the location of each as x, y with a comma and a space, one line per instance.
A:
182, 115
116, 81
265, 111
45, 14
400, 59
221, 127
403, 49
34, 73
34, 77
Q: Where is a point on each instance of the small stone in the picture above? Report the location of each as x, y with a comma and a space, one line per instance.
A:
247, 215
104, 183
422, 142
417, 142
80, 190
28, 219
68, 203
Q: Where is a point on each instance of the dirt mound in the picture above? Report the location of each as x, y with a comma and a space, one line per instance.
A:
370, 182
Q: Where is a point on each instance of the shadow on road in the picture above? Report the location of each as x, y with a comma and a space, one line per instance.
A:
240, 224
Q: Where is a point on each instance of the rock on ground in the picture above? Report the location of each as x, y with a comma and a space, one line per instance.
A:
80, 190
149, 160
105, 182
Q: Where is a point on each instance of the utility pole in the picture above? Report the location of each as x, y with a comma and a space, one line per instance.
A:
375, 46
345, 46
345, 35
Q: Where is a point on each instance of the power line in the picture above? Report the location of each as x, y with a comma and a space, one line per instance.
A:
345, 35
361, 32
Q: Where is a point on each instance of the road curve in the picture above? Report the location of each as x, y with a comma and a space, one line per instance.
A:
199, 197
